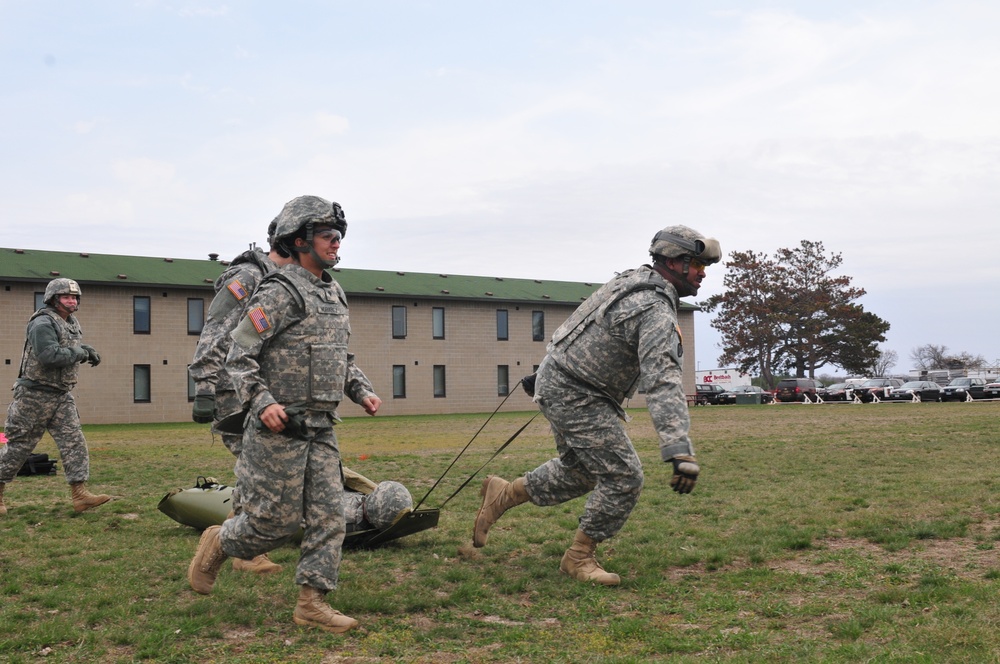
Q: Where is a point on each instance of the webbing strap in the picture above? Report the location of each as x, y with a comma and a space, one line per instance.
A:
457, 457
501, 449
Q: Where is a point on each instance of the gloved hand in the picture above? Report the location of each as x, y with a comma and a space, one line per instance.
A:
685, 473
528, 383
92, 356
295, 426
203, 411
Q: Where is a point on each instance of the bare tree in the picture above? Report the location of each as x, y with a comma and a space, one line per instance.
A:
930, 357
884, 363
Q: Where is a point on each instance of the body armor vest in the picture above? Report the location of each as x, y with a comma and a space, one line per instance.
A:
316, 343
70, 335
586, 346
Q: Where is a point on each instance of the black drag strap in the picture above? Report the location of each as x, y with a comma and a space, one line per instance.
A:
457, 457
501, 449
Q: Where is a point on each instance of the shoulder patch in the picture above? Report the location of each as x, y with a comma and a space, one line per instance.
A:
236, 288
259, 319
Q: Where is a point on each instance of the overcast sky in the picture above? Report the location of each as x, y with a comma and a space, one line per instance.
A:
527, 139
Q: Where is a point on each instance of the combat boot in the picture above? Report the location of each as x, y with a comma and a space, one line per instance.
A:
207, 561
579, 562
259, 565
3, 508
499, 495
312, 611
83, 499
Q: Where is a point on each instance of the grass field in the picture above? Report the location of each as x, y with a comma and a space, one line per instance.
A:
833, 533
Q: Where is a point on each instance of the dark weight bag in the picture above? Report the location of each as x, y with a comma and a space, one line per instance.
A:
38, 464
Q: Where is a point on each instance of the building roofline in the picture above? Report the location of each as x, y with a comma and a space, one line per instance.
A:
38, 266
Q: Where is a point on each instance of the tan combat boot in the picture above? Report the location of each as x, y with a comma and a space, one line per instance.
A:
312, 611
499, 495
259, 565
83, 499
207, 561
579, 562
3, 508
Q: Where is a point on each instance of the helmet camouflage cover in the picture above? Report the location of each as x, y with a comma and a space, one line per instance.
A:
61, 286
304, 210
384, 505
678, 241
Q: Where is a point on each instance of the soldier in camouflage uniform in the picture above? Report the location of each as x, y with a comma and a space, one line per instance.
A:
387, 503
215, 396
291, 369
50, 365
625, 331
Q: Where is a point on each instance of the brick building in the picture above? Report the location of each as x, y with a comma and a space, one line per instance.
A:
430, 343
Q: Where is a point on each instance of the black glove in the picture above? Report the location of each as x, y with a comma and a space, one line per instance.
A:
528, 383
204, 408
685, 473
296, 424
92, 357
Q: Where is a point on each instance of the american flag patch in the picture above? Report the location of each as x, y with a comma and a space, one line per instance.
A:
236, 288
259, 320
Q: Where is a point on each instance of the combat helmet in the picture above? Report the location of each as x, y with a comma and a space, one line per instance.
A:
387, 503
307, 212
60, 286
681, 241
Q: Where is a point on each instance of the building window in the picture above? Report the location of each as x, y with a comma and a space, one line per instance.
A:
192, 388
502, 334
398, 381
141, 315
439, 391
141, 391
399, 322
437, 322
196, 315
538, 326
39, 301
503, 380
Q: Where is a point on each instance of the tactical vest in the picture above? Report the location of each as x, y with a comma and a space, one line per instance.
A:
70, 335
314, 345
586, 346
254, 257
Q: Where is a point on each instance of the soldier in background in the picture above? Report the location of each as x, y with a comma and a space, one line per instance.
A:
625, 331
215, 396
50, 365
291, 369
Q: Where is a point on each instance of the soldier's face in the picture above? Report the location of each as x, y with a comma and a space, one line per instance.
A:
693, 276
68, 303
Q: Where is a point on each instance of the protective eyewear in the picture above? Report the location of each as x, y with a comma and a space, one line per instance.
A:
698, 264
329, 235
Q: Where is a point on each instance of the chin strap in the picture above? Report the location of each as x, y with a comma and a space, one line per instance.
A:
681, 277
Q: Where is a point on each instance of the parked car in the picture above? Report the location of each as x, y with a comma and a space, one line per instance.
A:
876, 387
925, 389
797, 389
959, 389
765, 396
709, 394
992, 389
837, 392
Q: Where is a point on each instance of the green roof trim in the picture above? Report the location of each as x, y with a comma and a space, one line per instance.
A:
105, 269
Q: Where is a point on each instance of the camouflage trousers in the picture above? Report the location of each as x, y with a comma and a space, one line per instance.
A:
595, 454
30, 415
227, 403
286, 483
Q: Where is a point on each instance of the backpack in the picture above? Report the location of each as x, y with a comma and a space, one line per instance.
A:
38, 464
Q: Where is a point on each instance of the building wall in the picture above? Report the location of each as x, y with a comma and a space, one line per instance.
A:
470, 351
